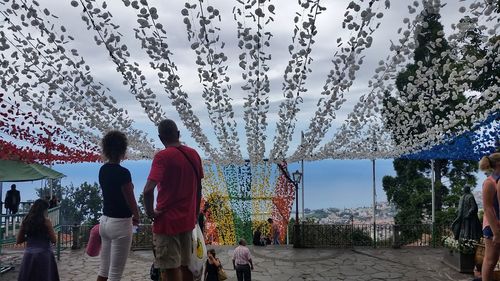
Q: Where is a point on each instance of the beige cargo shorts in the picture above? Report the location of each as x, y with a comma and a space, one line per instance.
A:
172, 251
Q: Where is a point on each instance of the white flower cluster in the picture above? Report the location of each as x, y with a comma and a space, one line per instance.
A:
295, 76
347, 61
464, 246
420, 99
253, 60
212, 64
40, 68
107, 34
151, 33
54, 82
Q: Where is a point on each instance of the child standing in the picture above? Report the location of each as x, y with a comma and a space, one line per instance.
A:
37, 231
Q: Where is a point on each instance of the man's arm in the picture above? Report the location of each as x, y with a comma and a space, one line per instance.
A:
198, 198
234, 262
149, 197
251, 264
128, 194
199, 187
7, 200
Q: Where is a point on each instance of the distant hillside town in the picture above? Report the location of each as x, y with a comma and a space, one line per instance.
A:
363, 215
385, 213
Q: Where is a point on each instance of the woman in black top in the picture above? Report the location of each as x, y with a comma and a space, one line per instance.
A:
212, 266
120, 210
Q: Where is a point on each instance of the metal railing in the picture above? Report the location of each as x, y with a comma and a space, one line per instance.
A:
24, 207
312, 235
359, 235
77, 236
10, 224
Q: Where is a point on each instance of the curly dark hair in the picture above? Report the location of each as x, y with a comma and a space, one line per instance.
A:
34, 222
114, 145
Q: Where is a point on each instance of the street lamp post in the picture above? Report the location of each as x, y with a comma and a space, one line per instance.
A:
297, 176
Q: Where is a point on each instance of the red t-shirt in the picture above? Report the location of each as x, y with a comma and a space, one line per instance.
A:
177, 189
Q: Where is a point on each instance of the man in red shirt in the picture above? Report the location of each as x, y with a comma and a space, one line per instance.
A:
176, 171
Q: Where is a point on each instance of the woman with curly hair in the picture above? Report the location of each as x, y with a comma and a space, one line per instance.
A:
120, 210
36, 230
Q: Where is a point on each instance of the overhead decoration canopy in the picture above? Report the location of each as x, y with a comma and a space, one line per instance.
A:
471, 145
55, 106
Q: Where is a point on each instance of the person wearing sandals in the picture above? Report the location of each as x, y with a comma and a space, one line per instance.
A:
212, 267
491, 226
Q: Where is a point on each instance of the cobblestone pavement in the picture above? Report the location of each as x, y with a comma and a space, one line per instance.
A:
280, 263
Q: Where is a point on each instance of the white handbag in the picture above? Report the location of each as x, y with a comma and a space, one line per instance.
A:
198, 253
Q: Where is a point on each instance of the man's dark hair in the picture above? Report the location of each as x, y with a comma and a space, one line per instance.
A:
167, 130
13, 186
114, 145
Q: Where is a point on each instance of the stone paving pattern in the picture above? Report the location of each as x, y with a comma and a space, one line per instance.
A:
275, 263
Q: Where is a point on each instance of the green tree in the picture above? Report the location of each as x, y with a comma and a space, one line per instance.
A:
44, 191
410, 189
83, 204
474, 46
142, 210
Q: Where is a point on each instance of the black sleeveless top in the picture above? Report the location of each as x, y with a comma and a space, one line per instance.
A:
112, 177
212, 274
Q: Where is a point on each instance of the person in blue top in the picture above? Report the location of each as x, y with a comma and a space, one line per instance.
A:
120, 210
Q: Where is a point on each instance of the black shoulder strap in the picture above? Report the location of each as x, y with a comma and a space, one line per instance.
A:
192, 164
198, 192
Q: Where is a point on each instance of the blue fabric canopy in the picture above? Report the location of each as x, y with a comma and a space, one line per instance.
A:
482, 140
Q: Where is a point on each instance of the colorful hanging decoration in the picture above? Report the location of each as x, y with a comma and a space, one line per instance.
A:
220, 222
240, 199
283, 198
43, 143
